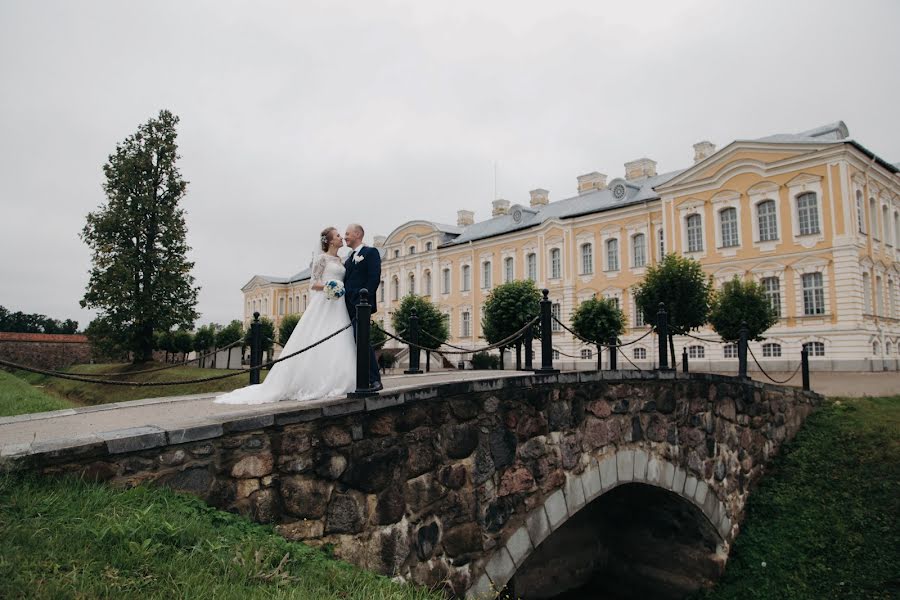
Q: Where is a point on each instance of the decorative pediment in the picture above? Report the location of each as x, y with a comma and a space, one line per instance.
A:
804, 179
763, 188
726, 196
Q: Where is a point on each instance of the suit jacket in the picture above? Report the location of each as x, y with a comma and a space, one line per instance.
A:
362, 273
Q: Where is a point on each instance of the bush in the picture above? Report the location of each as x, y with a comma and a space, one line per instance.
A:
483, 360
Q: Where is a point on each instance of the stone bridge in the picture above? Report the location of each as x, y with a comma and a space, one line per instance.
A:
533, 483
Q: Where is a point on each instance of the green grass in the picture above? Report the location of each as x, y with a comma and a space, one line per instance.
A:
823, 523
18, 397
95, 393
64, 538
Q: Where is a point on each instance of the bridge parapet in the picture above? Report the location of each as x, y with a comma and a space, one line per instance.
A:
458, 484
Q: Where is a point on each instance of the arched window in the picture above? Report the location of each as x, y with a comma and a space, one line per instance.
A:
815, 348
813, 294
694, 233
395, 288
879, 296
486, 275
587, 259
886, 225
896, 228
860, 212
888, 348
531, 264
281, 305
661, 241
428, 246
639, 250
466, 324
730, 351
290, 307
808, 213
892, 299
555, 354
640, 353
612, 255
445, 281
556, 313
767, 221
427, 290
772, 288
876, 349
729, 227
412, 249
397, 253
555, 264
381, 292
305, 302
873, 219
508, 274
411, 284
466, 278
771, 350
696, 352
587, 353
867, 293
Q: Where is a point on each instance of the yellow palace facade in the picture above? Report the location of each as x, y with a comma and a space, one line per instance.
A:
813, 216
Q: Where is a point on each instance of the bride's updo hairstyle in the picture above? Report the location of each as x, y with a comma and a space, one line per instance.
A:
327, 234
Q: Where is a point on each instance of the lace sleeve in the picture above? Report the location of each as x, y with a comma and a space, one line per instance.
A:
318, 271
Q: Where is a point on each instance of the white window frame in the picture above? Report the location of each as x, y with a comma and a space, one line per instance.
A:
860, 212
803, 295
779, 309
729, 351
465, 323
813, 347
426, 283
639, 354
486, 272
771, 350
587, 354
696, 351
730, 238
689, 249
531, 266
797, 187
465, 278
509, 269
612, 260
587, 258
555, 311
555, 262
639, 250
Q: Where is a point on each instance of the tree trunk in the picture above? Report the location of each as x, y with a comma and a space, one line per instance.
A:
672, 360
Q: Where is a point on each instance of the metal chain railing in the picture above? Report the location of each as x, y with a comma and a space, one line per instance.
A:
167, 367
501, 344
594, 342
700, 339
772, 379
60, 375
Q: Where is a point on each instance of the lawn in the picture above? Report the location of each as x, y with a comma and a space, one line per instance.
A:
64, 538
18, 397
94, 393
823, 523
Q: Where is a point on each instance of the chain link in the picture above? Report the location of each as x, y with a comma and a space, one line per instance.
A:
772, 379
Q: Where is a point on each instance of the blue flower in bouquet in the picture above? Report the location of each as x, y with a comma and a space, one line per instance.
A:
334, 290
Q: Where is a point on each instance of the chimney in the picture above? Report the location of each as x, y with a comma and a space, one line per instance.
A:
539, 197
640, 168
590, 182
703, 150
501, 207
379, 241
465, 218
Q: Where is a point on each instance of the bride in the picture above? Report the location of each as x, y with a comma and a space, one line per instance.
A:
329, 369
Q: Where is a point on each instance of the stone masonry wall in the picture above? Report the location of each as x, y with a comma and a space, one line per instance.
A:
45, 351
430, 485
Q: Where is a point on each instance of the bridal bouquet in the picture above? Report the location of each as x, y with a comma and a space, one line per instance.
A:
334, 290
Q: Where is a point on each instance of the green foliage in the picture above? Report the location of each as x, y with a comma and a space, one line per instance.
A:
19, 398
483, 360
67, 538
598, 319
229, 334
267, 333
107, 342
288, 323
205, 338
184, 341
19, 322
737, 302
432, 325
377, 337
823, 521
685, 289
508, 308
140, 279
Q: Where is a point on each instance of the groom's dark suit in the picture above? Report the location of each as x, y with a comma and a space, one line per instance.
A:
363, 271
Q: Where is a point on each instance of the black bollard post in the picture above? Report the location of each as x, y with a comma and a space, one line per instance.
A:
529, 351
613, 354
662, 332
546, 336
599, 355
804, 367
518, 355
363, 350
413, 332
255, 349
428, 361
684, 361
742, 350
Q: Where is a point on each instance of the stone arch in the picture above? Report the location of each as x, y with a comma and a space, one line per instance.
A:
634, 464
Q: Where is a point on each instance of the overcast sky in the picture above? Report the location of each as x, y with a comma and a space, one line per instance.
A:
297, 115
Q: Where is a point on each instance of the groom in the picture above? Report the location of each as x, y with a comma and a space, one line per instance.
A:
363, 271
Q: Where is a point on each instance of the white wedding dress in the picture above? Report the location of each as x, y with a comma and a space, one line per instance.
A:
326, 371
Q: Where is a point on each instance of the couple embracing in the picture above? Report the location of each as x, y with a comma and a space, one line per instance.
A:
329, 369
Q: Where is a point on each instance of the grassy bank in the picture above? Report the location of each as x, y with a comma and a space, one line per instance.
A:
19, 397
823, 523
70, 539
95, 393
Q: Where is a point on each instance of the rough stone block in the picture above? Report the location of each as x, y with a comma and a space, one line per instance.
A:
574, 493
248, 423
538, 526
725, 527
304, 415
500, 568
555, 505
678, 480
591, 481
194, 433
711, 507
625, 465
690, 486
702, 491
345, 407
608, 472
640, 465
482, 590
519, 546
133, 439
379, 402
654, 471
667, 479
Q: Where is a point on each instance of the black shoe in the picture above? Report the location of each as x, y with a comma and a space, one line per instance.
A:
376, 387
